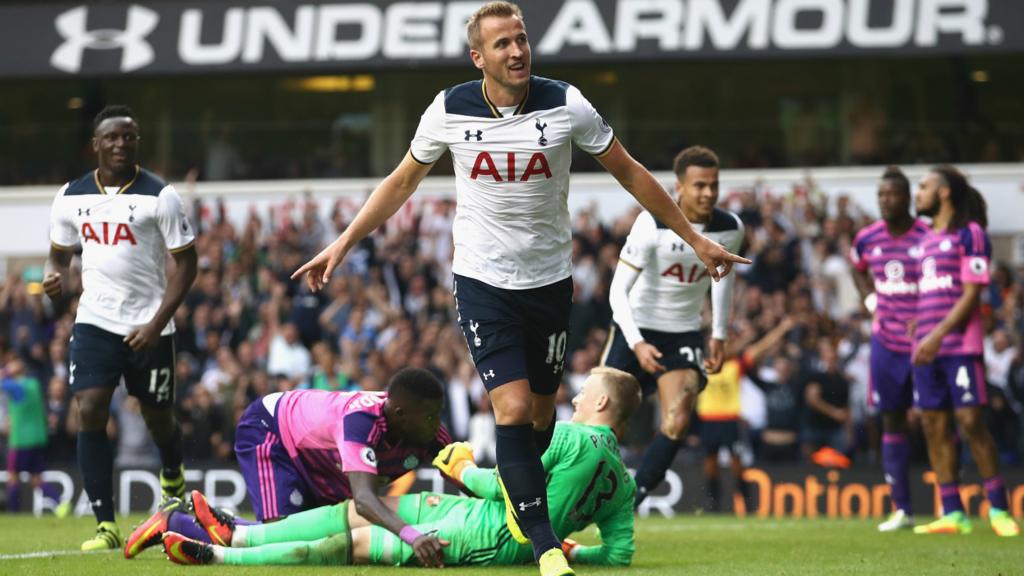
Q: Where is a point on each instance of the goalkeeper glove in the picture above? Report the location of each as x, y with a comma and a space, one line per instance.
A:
453, 460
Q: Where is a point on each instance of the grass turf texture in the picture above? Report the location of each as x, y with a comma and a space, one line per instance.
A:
690, 545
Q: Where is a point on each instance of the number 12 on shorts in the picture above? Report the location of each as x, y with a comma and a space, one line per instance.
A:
160, 383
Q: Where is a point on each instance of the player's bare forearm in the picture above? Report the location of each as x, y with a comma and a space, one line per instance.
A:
59, 259
57, 263
647, 191
369, 505
185, 269
385, 200
960, 312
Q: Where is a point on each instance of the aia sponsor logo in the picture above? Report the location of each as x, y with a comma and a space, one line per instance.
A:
484, 166
107, 233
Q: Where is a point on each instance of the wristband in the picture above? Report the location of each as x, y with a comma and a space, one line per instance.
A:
408, 534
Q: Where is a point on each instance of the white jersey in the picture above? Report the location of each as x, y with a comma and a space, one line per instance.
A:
671, 281
511, 227
125, 234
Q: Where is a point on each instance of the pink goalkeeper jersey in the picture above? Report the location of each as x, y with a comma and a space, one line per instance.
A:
894, 265
948, 261
328, 434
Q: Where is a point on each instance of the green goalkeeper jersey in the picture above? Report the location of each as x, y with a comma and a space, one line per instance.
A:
27, 407
587, 483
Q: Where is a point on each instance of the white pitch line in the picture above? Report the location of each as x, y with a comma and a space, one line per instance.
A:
49, 554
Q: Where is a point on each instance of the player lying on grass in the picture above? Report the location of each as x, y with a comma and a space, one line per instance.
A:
303, 449
587, 483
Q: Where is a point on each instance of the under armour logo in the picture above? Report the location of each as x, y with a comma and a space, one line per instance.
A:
135, 51
71, 374
542, 140
488, 375
131, 215
678, 246
524, 505
476, 337
86, 211
479, 135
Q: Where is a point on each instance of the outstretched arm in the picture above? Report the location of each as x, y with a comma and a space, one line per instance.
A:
646, 189
617, 542
383, 202
428, 548
752, 355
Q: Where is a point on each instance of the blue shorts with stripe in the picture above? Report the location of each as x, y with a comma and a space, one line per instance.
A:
516, 334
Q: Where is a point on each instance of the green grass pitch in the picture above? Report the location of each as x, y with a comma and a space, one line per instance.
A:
685, 545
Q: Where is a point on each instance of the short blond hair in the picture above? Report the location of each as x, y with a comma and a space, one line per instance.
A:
623, 389
501, 9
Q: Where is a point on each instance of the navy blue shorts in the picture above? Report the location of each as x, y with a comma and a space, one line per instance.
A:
99, 359
516, 334
679, 351
276, 487
718, 434
889, 383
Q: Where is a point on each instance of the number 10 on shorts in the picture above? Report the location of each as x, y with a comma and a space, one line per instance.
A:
556, 351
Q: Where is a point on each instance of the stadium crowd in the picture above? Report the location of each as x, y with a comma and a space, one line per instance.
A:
246, 330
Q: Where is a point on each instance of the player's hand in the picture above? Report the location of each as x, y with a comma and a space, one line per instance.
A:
429, 550
718, 260
52, 285
927, 350
143, 338
647, 355
318, 270
716, 356
911, 328
569, 548
454, 459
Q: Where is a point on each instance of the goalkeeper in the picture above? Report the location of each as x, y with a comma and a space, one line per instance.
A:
587, 483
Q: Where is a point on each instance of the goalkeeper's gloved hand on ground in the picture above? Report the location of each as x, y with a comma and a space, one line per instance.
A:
453, 460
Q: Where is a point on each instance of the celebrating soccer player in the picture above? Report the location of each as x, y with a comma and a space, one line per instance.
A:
306, 448
125, 219
657, 295
884, 257
949, 375
510, 135
588, 484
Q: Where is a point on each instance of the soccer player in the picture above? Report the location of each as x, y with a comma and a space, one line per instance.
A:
656, 296
125, 219
948, 373
588, 483
26, 446
307, 448
886, 271
510, 135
